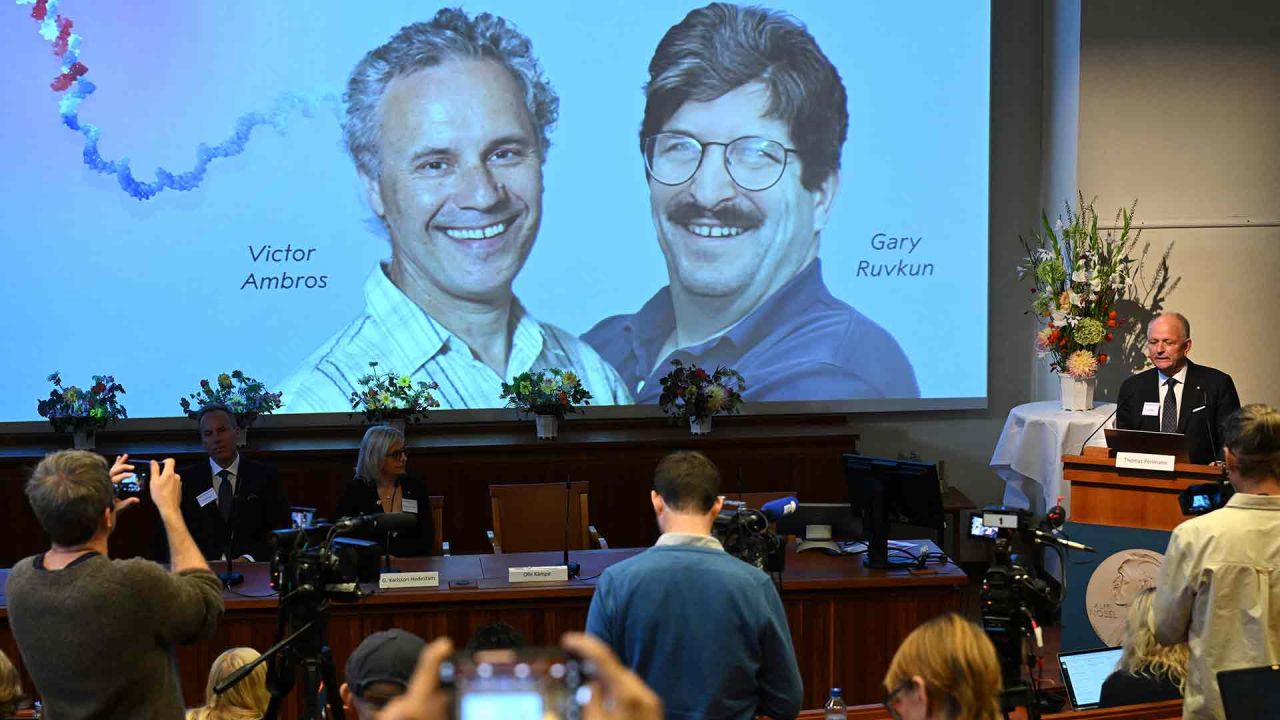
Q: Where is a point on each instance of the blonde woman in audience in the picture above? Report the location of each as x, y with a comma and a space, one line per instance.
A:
11, 697
1147, 671
946, 669
246, 700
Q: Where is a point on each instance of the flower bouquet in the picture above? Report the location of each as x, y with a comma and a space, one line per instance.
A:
689, 391
245, 397
82, 411
387, 397
1079, 277
548, 394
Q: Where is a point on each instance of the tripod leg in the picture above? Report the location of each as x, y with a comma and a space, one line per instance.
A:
330, 683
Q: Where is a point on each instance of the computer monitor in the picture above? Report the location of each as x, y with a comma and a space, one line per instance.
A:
819, 524
887, 492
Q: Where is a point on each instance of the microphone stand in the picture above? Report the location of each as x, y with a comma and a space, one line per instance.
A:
231, 578
574, 568
386, 558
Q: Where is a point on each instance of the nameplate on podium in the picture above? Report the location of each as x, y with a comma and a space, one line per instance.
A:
1144, 461
391, 581
545, 573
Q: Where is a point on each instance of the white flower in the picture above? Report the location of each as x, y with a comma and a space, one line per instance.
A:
1095, 285
1075, 299
1058, 224
1059, 318
1119, 281
1042, 254
1080, 276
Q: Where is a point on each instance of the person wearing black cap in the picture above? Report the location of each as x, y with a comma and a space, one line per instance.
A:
379, 670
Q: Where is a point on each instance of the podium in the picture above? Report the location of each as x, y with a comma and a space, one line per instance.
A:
1103, 494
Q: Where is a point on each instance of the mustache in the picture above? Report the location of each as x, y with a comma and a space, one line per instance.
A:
687, 212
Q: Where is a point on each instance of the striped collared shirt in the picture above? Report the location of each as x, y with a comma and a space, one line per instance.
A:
401, 337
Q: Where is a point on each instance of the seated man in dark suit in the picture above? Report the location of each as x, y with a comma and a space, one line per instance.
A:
227, 489
1176, 395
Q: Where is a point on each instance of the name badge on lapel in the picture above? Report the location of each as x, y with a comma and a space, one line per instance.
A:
409, 505
1151, 409
207, 497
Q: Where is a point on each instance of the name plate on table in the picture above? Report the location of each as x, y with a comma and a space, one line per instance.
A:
391, 581
545, 573
1144, 461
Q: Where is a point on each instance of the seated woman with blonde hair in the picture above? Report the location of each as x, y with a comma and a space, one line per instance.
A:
946, 669
1147, 671
246, 700
11, 696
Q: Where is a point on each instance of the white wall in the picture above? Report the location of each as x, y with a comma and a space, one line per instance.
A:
1180, 108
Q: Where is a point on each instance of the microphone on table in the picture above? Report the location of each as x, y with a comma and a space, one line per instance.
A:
1101, 425
573, 568
229, 577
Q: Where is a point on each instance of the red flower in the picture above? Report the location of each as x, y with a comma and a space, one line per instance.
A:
700, 374
1111, 323
1102, 359
1110, 337
564, 399
1033, 291
1112, 314
98, 389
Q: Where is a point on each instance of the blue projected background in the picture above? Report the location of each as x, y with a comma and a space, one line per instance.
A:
156, 291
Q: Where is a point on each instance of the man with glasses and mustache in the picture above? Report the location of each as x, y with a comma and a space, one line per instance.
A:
448, 125
743, 126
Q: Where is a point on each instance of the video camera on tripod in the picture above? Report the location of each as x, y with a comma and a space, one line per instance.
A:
1016, 601
310, 567
745, 534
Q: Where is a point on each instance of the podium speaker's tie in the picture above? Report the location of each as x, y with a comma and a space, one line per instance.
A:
226, 492
1169, 414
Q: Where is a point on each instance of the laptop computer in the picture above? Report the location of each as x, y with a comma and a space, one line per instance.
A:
1084, 671
1145, 441
1250, 694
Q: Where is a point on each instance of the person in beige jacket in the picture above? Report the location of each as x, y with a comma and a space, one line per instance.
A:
1219, 587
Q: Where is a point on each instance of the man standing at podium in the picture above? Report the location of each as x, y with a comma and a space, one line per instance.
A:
1177, 395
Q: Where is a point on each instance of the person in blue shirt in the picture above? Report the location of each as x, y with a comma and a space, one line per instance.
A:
702, 628
743, 126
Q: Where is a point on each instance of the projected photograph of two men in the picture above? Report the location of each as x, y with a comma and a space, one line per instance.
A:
797, 191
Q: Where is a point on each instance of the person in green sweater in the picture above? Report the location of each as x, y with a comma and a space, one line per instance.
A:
98, 635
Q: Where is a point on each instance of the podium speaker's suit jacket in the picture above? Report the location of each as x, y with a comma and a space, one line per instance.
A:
1208, 399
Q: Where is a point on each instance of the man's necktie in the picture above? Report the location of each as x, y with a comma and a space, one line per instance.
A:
1169, 414
226, 494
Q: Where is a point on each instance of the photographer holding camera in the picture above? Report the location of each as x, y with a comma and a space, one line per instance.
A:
98, 635
1219, 586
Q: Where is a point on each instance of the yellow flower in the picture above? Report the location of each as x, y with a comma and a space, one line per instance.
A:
405, 381
224, 381
569, 380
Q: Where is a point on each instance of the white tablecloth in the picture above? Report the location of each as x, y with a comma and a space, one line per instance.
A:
1029, 453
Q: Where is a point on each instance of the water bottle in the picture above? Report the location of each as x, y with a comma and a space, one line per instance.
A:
835, 708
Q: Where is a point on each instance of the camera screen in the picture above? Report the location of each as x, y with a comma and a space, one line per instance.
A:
302, 517
1200, 502
978, 529
129, 486
525, 705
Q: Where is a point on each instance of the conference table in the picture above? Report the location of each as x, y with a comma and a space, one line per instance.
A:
846, 620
